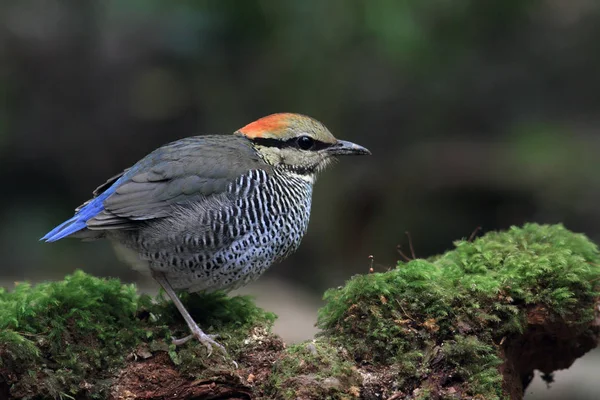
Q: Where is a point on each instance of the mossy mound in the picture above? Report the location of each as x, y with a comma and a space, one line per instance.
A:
54, 335
442, 321
68, 339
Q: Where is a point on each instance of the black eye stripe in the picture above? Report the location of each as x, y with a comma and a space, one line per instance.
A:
290, 143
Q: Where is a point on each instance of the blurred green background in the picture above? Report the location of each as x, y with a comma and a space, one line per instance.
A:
478, 113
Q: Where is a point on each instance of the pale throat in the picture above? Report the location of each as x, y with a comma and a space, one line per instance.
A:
310, 178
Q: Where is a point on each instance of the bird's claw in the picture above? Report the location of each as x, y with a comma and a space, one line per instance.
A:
207, 340
183, 340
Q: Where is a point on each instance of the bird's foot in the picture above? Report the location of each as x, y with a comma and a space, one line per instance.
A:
207, 340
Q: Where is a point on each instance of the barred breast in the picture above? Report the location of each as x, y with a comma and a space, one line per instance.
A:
229, 239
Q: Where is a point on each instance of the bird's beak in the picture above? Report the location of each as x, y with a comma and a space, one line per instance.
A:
344, 148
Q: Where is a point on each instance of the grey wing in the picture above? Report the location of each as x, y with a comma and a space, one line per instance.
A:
188, 171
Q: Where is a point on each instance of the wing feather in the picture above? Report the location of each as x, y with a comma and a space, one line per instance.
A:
187, 171
190, 171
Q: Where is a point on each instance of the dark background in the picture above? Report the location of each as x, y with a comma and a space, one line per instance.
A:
478, 113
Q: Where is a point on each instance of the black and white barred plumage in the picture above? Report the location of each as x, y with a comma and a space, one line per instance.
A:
230, 239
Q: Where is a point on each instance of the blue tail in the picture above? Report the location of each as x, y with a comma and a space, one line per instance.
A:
95, 206
68, 227
79, 220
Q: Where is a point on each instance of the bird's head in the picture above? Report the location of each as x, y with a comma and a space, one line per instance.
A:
297, 143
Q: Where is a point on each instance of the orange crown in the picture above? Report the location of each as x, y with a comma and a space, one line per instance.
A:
269, 126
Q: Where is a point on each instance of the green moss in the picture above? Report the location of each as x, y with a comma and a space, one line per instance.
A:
55, 336
315, 370
449, 312
55, 333
474, 361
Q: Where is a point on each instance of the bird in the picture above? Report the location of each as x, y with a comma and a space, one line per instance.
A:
212, 212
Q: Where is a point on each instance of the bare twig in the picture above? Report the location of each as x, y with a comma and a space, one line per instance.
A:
410, 245
404, 256
474, 233
404, 311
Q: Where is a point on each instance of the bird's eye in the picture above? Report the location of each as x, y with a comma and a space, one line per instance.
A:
305, 142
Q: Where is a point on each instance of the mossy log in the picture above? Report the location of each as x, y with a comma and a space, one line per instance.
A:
472, 323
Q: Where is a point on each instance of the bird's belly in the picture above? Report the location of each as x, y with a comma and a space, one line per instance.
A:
235, 265
228, 247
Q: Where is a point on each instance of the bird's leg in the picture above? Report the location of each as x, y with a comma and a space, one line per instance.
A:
206, 340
